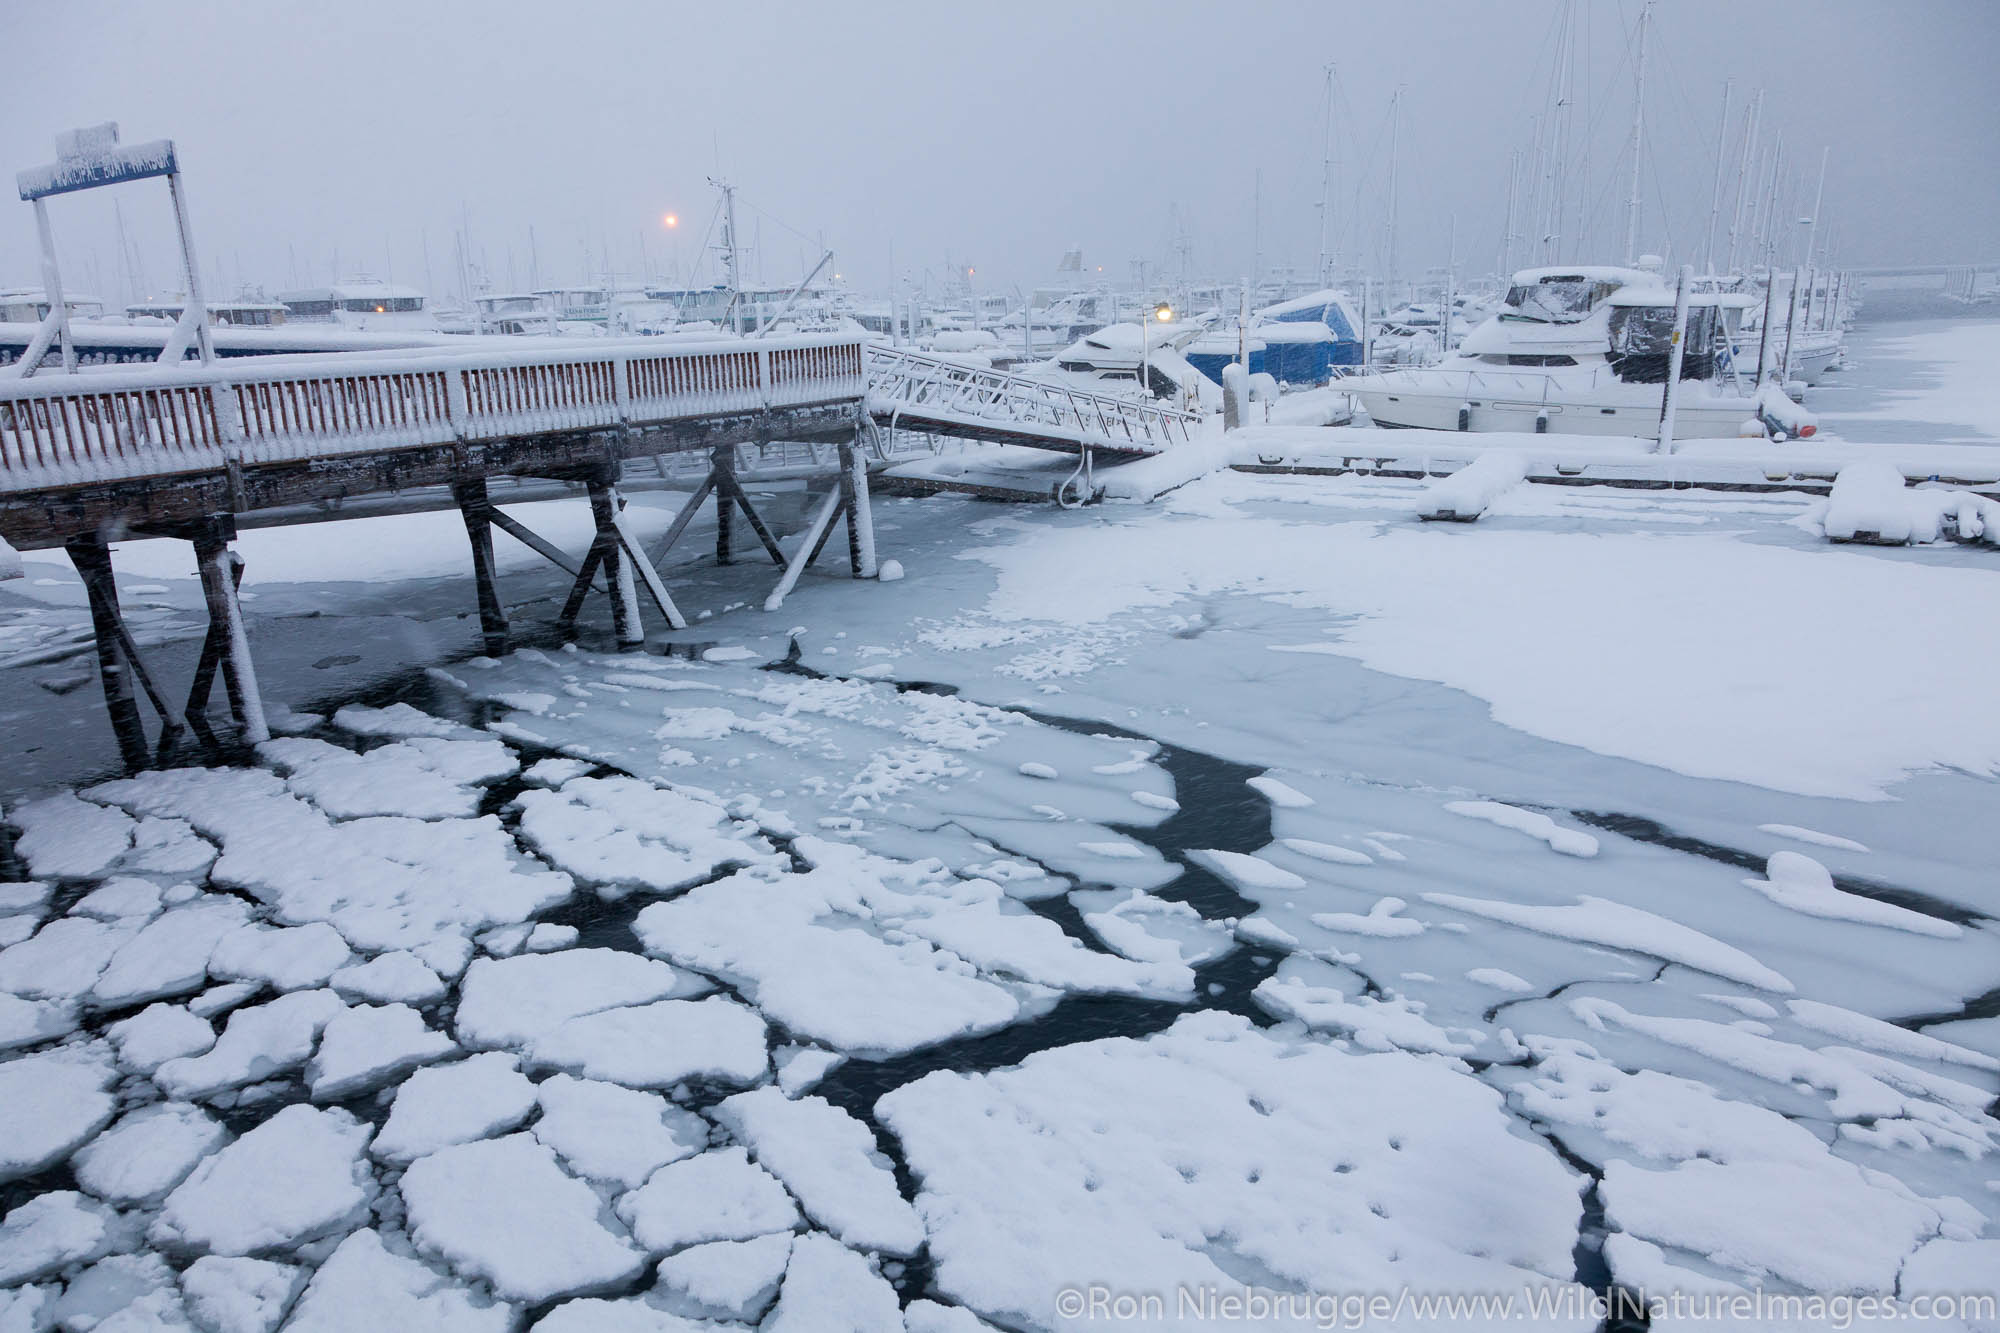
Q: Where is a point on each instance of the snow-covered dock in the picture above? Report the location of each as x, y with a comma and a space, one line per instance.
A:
1760, 465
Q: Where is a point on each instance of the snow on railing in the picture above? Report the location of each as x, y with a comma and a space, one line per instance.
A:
58, 430
950, 389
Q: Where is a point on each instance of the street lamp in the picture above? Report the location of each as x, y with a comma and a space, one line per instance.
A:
1163, 312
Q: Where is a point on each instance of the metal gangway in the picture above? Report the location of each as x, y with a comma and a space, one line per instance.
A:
936, 395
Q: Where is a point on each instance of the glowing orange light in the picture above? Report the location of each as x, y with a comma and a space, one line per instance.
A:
671, 220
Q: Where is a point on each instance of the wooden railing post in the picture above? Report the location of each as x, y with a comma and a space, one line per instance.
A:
457, 406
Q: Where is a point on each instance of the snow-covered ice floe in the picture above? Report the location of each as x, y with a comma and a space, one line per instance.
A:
1305, 901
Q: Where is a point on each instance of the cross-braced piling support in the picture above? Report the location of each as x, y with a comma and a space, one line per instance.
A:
115, 657
227, 643
226, 647
626, 567
848, 497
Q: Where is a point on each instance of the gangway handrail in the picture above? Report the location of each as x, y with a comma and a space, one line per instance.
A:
116, 424
902, 379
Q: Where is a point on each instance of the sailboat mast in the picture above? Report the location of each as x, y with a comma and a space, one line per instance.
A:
1819, 197
1715, 191
1395, 131
1326, 183
1770, 212
1559, 116
1638, 132
1750, 115
1444, 313
1256, 232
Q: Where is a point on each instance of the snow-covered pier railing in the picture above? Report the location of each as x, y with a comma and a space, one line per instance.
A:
939, 396
115, 425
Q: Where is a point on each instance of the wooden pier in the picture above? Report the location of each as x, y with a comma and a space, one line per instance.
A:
99, 456
190, 451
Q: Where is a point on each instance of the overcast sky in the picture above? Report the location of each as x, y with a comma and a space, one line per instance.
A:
367, 132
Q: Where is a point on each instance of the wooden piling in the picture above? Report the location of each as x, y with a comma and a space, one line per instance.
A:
228, 642
477, 510
92, 558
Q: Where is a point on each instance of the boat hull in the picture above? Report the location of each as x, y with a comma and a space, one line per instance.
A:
1421, 407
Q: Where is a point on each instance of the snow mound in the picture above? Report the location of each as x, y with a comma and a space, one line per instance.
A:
1617, 926
1250, 873
1569, 842
1470, 491
1870, 501
1795, 880
1392, 1024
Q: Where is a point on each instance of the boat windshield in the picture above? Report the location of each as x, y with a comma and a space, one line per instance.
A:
1556, 300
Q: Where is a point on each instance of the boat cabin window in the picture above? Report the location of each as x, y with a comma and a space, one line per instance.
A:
383, 305
1642, 343
1527, 359
1562, 300
309, 309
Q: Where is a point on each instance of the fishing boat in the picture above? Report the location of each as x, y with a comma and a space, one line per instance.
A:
1585, 350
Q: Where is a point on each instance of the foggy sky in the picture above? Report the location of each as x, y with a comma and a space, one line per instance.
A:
994, 135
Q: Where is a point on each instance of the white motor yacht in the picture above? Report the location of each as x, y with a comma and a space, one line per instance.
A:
1579, 350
